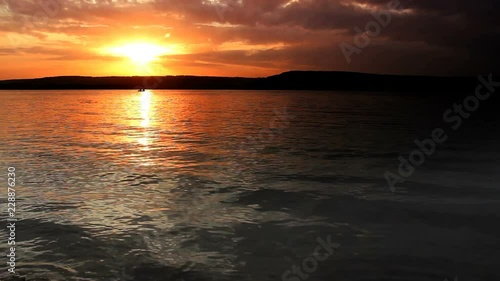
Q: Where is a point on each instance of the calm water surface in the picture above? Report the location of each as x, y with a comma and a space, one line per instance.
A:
240, 185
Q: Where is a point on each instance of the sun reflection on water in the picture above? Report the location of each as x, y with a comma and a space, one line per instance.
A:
145, 108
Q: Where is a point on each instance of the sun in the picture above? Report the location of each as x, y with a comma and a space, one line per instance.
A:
140, 53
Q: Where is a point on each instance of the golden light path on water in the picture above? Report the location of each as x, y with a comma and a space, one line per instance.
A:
145, 110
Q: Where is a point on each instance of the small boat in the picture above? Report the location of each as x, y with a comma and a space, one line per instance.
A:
141, 90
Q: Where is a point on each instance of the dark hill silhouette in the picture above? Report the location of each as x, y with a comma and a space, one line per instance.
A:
292, 80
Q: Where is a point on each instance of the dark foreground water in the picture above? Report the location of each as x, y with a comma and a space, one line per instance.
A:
245, 185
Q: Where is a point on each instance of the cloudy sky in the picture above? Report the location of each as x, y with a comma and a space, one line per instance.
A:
247, 37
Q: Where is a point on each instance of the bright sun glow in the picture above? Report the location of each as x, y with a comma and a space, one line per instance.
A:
140, 53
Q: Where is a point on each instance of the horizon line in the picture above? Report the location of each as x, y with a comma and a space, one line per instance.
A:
246, 77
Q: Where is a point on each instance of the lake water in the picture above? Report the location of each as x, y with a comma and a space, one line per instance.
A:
246, 185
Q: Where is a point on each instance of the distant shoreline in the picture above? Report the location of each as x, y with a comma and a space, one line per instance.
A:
291, 80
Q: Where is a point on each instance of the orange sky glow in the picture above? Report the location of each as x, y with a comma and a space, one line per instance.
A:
119, 38
41, 38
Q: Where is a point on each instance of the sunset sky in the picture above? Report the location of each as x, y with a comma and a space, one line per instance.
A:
243, 37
